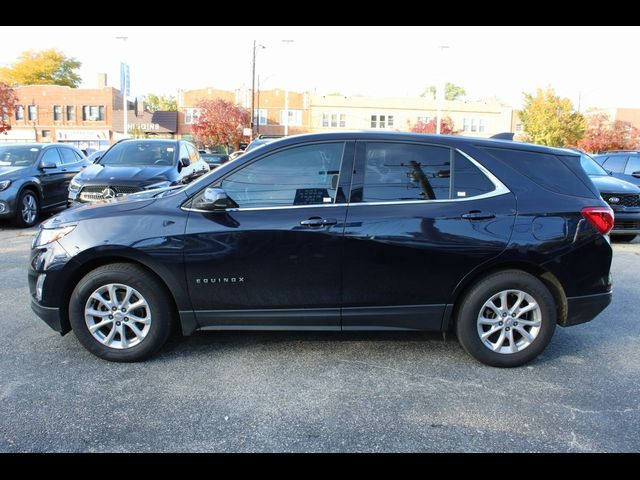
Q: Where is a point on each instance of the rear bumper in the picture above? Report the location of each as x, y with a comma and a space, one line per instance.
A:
586, 308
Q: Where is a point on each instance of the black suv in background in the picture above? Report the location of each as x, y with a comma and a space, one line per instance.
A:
623, 197
499, 241
34, 177
133, 165
623, 164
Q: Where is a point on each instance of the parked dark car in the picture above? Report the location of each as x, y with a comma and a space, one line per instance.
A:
34, 177
499, 241
135, 165
623, 164
623, 197
214, 160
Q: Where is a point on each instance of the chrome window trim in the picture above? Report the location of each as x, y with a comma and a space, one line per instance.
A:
500, 189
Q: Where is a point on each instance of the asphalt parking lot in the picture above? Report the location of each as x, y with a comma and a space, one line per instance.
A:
282, 391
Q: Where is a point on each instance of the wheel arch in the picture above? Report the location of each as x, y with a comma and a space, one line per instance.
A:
546, 276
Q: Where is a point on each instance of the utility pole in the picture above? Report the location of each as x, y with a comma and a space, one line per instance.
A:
124, 72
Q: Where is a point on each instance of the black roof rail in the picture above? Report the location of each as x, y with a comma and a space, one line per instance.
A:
503, 136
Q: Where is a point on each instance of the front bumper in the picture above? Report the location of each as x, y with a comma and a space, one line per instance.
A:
50, 315
626, 222
586, 308
8, 202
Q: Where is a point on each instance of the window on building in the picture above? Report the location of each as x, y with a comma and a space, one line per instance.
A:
19, 112
481, 125
305, 175
326, 118
295, 118
374, 121
71, 113
518, 127
57, 113
397, 172
46, 134
389, 121
424, 119
190, 115
261, 117
474, 125
466, 124
32, 113
382, 121
93, 113
343, 120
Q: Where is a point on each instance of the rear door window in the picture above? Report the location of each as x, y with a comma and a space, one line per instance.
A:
67, 155
633, 165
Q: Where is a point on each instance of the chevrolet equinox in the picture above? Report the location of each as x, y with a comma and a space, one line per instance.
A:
495, 240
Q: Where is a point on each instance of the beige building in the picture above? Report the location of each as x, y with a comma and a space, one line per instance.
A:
336, 112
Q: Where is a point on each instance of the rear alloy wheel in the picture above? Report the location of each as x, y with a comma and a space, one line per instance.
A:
120, 312
27, 209
506, 319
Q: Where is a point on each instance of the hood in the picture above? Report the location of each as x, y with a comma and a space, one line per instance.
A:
608, 184
7, 173
104, 208
97, 174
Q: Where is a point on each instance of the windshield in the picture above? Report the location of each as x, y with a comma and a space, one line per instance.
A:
18, 156
590, 166
141, 153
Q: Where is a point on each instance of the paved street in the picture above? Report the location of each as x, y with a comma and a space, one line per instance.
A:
279, 391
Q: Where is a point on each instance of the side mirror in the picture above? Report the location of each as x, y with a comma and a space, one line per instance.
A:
47, 164
185, 161
214, 199
97, 159
636, 174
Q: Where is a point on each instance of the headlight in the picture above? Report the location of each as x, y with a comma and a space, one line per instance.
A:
48, 235
4, 184
74, 186
158, 185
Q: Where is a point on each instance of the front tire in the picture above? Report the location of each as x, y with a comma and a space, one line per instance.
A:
28, 209
507, 319
121, 313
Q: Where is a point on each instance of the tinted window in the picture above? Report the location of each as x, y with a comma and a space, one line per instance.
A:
590, 166
78, 156
67, 155
633, 165
615, 163
51, 156
157, 153
468, 180
18, 156
398, 171
546, 170
306, 175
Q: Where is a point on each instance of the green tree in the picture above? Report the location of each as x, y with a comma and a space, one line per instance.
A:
551, 120
153, 102
451, 91
46, 67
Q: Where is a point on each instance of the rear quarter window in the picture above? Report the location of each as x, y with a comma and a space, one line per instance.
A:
547, 170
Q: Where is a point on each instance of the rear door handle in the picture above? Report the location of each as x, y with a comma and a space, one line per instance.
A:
478, 215
318, 222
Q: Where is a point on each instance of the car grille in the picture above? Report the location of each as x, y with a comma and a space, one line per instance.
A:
625, 199
626, 225
92, 193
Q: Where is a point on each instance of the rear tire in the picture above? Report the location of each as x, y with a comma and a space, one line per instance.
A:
121, 313
506, 319
623, 238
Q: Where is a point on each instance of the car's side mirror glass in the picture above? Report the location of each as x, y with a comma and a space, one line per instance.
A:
47, 164
213, 199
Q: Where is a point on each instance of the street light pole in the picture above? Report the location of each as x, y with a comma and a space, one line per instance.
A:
253, 87
286, 99
440, 91
124, 86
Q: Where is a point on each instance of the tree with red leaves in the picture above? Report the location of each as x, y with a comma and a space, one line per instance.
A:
602, 134
446, 127
8, 100
220, 123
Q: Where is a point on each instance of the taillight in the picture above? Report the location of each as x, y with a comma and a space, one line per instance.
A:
600, 217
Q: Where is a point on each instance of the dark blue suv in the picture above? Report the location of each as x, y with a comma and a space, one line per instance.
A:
498, 241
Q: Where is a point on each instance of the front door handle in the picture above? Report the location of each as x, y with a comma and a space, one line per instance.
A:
478, 215
318, 222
